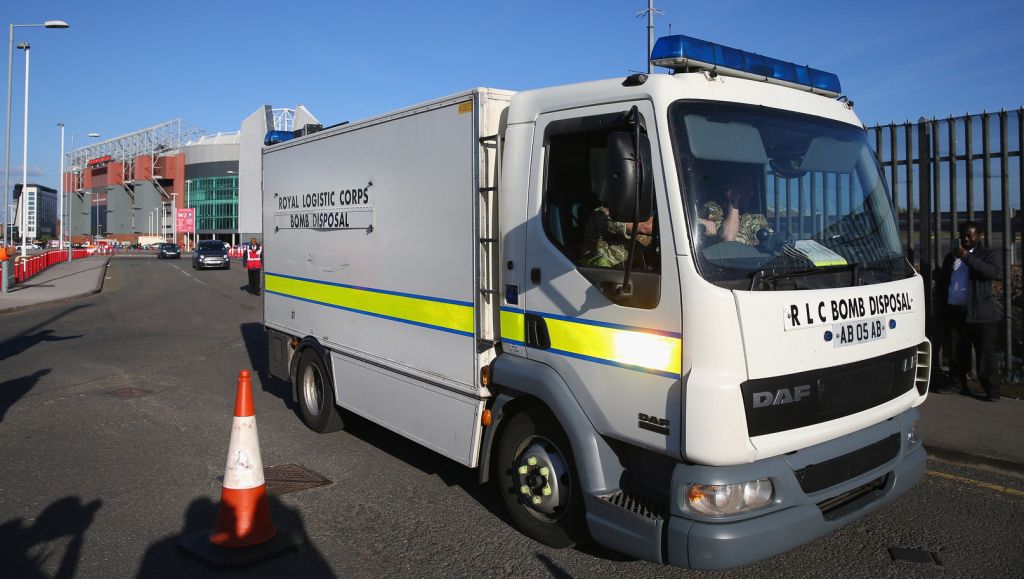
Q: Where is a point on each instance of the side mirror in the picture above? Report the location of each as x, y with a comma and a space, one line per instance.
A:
621, 178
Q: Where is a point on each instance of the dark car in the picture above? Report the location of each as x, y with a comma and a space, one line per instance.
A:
168, 251
211, 253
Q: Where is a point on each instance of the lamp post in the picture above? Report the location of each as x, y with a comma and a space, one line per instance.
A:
188, 205
73, 169
24, 162
7, 124
174, 217
60, 194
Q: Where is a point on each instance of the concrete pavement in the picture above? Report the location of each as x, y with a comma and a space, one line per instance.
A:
954, 427
64, 281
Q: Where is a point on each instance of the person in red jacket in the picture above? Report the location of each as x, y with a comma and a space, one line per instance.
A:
253, 257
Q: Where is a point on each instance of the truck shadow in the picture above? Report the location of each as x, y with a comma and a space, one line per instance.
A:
256, 346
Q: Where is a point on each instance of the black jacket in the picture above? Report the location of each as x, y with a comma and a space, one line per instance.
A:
985, 265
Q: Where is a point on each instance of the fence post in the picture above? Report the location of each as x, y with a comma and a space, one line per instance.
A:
924, 174
1004, 183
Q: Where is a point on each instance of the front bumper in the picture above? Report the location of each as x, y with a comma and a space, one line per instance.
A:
795, 517
210, 263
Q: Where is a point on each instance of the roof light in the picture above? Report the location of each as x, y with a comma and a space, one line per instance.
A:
275, 137
684, 53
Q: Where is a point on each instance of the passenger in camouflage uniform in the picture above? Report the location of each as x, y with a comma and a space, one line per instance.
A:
729, 224
607, 241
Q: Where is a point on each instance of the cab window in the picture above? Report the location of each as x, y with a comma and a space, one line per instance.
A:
575, 212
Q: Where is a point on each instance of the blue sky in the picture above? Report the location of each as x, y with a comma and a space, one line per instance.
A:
123, 66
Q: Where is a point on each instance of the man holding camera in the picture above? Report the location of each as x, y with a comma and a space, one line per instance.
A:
970, 313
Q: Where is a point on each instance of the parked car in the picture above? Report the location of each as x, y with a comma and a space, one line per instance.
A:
168, 251
211, 253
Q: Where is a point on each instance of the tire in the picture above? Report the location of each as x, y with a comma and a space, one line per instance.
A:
315, 393
532, 441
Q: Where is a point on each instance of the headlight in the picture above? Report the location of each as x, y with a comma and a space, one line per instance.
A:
731, 498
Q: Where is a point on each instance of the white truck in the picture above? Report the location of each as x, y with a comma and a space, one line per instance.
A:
734, 380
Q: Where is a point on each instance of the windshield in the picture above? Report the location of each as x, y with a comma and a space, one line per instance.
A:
210, 246
781, 200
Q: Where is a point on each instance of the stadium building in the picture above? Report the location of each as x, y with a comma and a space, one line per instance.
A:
127, 188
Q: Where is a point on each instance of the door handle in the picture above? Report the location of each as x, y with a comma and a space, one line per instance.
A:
535, 275
537, 332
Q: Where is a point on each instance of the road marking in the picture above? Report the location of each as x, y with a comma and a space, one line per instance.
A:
978, 483
189, 275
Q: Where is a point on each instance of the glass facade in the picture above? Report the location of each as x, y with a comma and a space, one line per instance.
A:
215, 200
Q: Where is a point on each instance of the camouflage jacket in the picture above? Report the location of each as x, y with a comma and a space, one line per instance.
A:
750, 223
606, 242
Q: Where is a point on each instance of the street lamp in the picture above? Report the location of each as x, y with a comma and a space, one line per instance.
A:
24, 162
7, 125
62, 156
174, 217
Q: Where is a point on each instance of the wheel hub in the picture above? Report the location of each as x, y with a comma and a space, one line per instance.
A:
538, 473
312, 385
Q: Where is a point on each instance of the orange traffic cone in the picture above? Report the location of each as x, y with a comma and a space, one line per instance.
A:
244, 515
243, 532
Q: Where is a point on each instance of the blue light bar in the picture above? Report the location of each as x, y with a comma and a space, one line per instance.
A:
275, 137
684, 53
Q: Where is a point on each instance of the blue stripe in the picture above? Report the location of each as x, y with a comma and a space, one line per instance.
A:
378, 291
371, 314
513, 342
612, 326
512, 310
615, 364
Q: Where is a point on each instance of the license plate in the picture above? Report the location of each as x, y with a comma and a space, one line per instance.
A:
858, 332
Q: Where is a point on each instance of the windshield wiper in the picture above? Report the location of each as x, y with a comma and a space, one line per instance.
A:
765, 275
858, 269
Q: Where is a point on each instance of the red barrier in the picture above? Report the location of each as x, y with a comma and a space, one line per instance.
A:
30, 266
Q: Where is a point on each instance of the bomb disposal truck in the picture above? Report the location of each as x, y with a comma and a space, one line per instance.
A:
740, 379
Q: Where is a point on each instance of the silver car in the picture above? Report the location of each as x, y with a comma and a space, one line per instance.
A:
211, 253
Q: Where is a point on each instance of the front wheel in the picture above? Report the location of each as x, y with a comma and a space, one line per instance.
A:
538, 480
315, 393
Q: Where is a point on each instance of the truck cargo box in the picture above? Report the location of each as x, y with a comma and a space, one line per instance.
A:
372, 236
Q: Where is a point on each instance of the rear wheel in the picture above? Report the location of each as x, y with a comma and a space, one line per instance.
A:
315, 393
538, 480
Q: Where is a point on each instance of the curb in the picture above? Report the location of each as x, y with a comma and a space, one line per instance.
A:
96, 290
959, 457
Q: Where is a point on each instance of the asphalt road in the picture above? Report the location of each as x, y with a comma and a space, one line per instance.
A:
115, 412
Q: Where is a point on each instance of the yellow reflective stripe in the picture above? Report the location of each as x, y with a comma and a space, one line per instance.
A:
450, 316
512, 326
629, 347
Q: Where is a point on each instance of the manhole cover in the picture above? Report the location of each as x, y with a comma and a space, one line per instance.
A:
130, 392
914, 556
290, 478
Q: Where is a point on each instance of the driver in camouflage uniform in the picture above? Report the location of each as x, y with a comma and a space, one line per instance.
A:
729, 224
607, 241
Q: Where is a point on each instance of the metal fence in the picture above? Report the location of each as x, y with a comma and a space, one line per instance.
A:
943, 172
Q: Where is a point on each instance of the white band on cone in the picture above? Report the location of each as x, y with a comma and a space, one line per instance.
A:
244, 469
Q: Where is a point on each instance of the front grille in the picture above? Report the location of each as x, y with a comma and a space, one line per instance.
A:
853, 500
818, 477
793, 401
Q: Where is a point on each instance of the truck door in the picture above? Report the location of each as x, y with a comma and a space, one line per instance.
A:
620, 357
